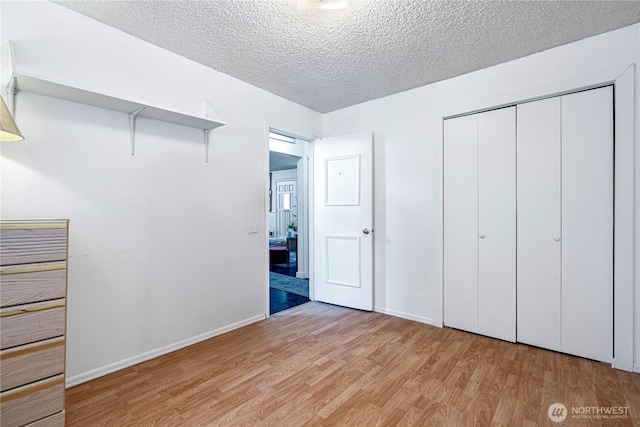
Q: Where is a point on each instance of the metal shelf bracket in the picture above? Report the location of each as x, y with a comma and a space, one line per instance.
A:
12, 92
132, 128
206, 143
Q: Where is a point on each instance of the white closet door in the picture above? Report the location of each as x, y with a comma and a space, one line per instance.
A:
587, 224
461, 223
539, 229
497, 223
479, 223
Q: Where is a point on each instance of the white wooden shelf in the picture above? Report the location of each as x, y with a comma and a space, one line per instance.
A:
32, 84
29, 82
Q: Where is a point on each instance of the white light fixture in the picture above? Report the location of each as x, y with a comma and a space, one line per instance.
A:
322, 4
8, 129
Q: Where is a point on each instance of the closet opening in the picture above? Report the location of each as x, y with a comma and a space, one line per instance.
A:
545, 278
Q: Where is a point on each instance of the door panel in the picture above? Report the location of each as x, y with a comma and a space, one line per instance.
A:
461, 223
343, 211
497, 223
342, 180
539, 229
343, 260
587, 224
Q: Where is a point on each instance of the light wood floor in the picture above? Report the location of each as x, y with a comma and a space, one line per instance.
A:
319, 364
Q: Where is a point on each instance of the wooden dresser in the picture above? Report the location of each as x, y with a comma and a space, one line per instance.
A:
33, 290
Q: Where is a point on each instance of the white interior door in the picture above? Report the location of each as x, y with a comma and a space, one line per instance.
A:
343, 220
286, 206
480, 223
497, 223
587, 224
539, 229
565, 224
461, 223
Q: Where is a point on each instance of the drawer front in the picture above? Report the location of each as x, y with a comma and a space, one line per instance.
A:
29, 363
32, 403
25, 246
55, 420
30, 326
32, 283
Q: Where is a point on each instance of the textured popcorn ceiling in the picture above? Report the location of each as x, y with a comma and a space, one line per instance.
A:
327, 60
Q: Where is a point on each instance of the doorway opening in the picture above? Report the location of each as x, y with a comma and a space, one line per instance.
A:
288, 222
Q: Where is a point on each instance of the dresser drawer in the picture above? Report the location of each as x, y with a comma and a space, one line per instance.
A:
32, 402
32, 362
55, 420
23, 284
40, 243
25, 324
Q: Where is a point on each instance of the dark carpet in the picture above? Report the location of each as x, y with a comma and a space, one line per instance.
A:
285, 290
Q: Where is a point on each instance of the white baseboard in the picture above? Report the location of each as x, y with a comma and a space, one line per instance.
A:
302, 275
421, 319
636, 367
125, 363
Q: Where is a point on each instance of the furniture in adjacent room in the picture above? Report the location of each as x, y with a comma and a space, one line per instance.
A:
33, 267
528, 223
292, 243
278, 255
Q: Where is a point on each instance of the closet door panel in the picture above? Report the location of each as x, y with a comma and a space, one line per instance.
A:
460, 223
538, 223
497, 223
587, 224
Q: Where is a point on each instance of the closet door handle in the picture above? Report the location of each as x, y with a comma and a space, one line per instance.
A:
481, 236
557, 238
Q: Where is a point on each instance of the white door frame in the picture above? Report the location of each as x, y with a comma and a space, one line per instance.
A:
288, 131
622, 78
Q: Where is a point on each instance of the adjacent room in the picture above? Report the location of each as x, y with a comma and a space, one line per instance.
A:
288, 200
319, 212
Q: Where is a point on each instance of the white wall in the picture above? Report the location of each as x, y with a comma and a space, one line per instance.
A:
406, 155
159, 244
